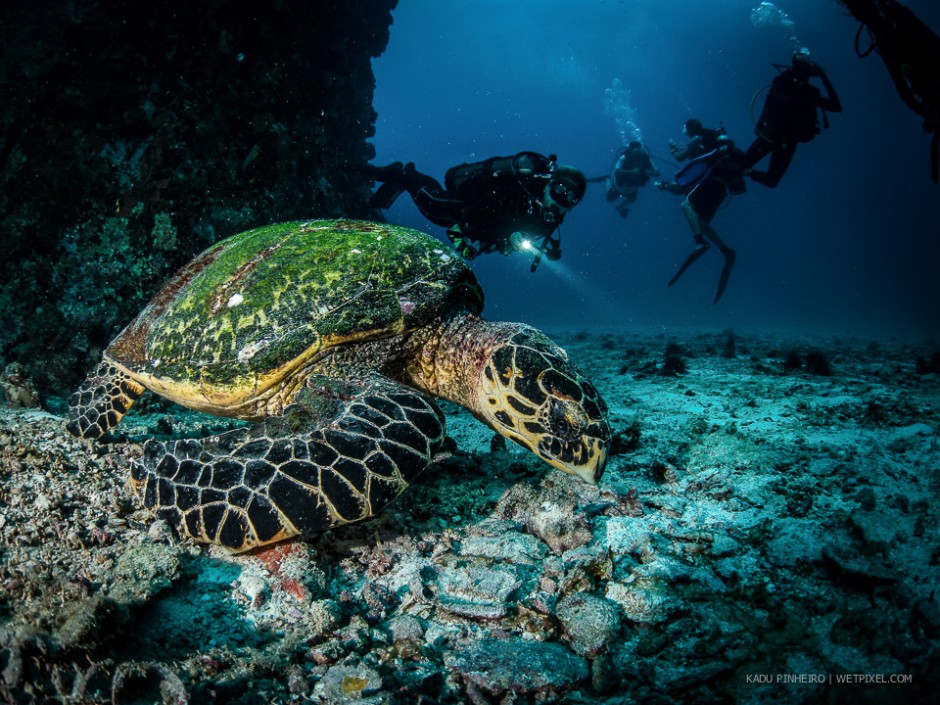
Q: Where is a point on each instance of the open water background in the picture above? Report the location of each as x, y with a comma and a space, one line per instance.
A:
846, 244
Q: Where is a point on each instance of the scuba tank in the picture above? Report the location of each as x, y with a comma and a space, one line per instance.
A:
790, 111
470, 181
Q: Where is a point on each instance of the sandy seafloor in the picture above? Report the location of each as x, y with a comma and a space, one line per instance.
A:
765, 533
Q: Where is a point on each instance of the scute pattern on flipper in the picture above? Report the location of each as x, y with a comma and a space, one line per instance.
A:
296, 474
102, 400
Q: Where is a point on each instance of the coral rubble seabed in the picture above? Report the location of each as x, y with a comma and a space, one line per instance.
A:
765, 535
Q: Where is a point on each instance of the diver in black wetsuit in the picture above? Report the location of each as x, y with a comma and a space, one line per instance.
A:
724, 177
502, 204
911, 52
790, 116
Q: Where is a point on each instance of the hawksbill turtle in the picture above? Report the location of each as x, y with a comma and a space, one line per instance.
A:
335, 336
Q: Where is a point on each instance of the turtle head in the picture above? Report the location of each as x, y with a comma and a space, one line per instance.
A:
531, 394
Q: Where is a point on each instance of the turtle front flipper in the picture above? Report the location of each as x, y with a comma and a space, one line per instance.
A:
102, 400
340, 453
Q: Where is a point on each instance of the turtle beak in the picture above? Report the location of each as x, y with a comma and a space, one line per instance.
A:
592, 472
589, 477
587, 460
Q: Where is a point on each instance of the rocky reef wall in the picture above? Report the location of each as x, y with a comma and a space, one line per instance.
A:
133, 135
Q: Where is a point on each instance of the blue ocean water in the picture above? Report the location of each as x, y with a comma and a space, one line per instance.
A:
846, 244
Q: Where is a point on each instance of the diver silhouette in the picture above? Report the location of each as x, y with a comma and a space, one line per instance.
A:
790, 116
631, 170
911, 53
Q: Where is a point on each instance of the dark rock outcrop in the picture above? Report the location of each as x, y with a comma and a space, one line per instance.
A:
134, 135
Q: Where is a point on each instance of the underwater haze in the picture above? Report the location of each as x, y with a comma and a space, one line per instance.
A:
846, 244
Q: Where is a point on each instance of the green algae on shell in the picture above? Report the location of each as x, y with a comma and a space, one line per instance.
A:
265, 301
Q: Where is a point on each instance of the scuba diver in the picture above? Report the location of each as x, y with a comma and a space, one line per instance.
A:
702, 141
723, 176
790, 116
502, 204
911, 52
631, 170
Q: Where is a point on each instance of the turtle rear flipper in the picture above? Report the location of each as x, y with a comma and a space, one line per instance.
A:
102, 400
339, 454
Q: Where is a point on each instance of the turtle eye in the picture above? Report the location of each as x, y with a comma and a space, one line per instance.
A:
565, 419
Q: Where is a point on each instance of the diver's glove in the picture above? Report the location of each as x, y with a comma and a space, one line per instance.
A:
463, 246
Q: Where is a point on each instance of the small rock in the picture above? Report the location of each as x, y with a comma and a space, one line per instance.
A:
404, 627
350, 684
160, 532
627, 536
911, 432
512, 545
797, 541
16, 387
324, 615
925, 616
442, 636
876, 530
640, 602
560, 526
476, 591
143, 570
681, 678
856, 572
499, 666
407, 634
253, 587
590, 623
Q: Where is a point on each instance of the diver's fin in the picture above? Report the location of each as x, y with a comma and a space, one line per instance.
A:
689, 261
391, 172
386, 194
730, 257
